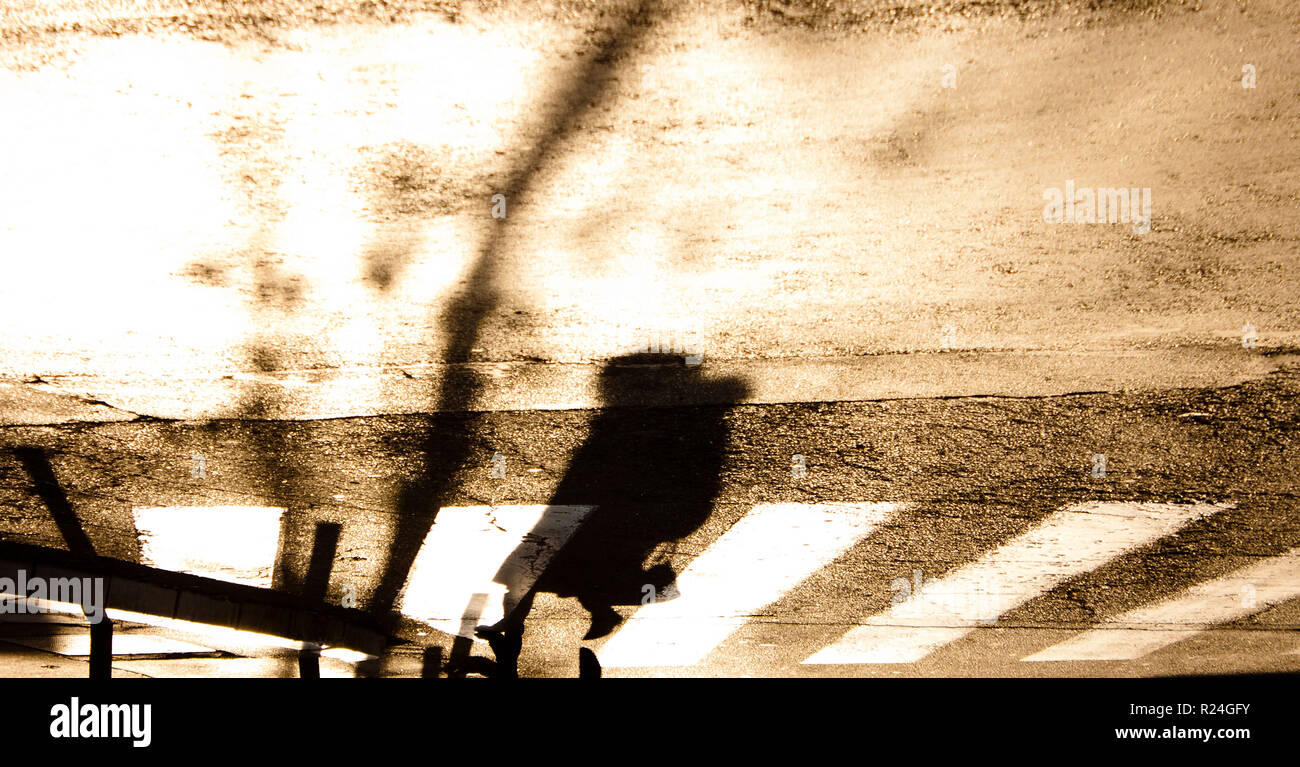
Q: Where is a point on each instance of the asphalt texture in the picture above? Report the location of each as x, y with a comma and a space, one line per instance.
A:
973, 473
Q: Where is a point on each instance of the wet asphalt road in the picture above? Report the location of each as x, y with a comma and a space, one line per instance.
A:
974, 473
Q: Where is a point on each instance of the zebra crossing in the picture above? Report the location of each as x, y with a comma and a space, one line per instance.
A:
1143, 631
1069, 542
741, 573
475, 559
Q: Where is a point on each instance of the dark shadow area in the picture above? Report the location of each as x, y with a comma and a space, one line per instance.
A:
47, 487
324, 548
588, 664
316, 587
309, 664
101, 650
652, 475
431, 667
170, 594
51, 492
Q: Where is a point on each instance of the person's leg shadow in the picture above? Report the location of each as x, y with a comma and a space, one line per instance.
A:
652, 475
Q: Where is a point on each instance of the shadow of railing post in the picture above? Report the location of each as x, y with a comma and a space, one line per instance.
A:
316, 587
38, 466
101, 649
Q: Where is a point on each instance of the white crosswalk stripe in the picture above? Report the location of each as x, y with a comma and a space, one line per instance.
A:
764, 555
230, 543
1068, 543
1146, 629
473, 555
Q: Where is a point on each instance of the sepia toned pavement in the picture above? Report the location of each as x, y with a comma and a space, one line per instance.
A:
765, 362
187, 210
1018, 527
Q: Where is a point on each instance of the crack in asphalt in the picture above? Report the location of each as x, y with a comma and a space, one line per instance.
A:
45, 386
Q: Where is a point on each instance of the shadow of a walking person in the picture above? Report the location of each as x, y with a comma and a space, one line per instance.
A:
651, 472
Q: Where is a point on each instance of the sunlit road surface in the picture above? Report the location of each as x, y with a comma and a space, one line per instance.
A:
1093, 534
257, 281
306, 200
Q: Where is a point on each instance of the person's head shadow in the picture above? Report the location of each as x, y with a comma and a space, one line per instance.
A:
648, 380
